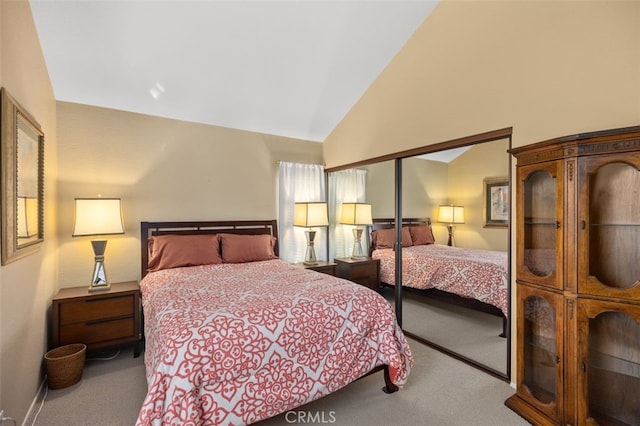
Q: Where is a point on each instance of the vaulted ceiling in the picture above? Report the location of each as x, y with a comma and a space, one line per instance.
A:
288, 68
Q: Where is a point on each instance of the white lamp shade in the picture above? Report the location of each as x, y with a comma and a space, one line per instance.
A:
356, 214
98, 216
451, 214
310, 214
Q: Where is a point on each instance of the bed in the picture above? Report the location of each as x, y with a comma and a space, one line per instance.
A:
475, 278
234, 335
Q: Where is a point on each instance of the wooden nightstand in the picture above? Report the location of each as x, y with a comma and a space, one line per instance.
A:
362, 271
100, 319
328, 268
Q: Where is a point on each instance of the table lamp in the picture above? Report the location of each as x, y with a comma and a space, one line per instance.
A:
451, 215
310, 215
98, 216
357, 214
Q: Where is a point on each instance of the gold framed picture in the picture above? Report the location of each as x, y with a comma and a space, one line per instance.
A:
496, 202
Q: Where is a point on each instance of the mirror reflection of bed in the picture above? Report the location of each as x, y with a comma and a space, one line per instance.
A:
454, 297
454, 176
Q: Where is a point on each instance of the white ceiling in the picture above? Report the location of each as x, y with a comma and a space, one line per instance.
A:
288, 68
445, 156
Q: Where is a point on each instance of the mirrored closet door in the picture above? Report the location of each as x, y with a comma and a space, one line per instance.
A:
461, 309
456, 290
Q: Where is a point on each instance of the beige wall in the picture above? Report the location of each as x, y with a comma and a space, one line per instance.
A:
466, 175
425, 185
380, 189
546, 68
27, 285
163, 170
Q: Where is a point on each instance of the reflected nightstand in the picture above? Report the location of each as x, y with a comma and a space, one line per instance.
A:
364, 271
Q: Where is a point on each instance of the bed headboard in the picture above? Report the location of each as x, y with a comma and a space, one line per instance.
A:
253, 227
388, 223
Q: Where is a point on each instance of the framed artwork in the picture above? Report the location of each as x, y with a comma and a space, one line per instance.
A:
496, 202
22, 181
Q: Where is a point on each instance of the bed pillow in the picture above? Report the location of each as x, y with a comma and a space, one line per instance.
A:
173, 251
421, 235
239, 248
386, 238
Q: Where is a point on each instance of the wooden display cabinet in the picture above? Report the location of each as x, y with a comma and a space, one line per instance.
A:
578, 279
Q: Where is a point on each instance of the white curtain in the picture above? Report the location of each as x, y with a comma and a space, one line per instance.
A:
299, 183
345, 186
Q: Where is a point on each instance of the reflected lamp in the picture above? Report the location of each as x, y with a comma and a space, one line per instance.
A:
310, 215
27, 217
451, 215
96, 217
357, 214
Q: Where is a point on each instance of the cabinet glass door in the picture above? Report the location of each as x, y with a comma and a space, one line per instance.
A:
539, 236
610, 344
609, 238
540, 345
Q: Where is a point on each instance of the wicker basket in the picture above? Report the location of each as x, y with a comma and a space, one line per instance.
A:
65, 365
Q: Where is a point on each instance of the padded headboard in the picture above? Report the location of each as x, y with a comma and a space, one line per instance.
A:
253, 227
388, 223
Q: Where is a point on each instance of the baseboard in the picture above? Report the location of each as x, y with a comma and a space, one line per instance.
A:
34, 408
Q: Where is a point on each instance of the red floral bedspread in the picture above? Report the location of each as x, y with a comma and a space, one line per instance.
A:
472, 273
237, 343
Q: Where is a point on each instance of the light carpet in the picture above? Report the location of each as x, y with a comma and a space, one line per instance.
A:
470, 333
441, 391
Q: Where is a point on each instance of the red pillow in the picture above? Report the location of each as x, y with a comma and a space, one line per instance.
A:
173, 251
421, 235
386, 238
239, 248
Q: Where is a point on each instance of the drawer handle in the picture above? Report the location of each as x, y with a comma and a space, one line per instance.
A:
102, 321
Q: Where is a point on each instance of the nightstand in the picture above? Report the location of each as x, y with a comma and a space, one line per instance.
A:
364, 271
100, 319
328, 268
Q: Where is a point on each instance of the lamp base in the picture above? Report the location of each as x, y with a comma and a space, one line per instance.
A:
357, 246
98, 288
99, 279
451, 241
310, 256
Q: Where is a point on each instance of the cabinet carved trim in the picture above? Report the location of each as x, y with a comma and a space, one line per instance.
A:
623, 145
543, 156
570, 169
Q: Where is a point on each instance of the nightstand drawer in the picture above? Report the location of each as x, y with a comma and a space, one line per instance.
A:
97, 332
96, 309
363, 271
372, 282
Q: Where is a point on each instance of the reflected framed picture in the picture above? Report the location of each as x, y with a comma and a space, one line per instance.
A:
496, 202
